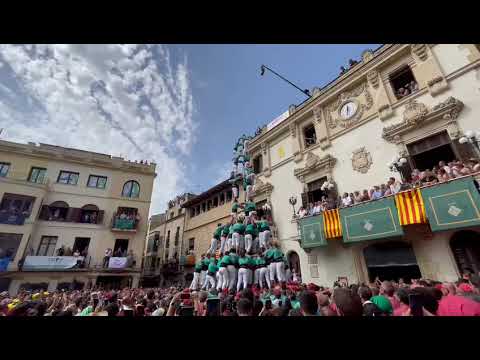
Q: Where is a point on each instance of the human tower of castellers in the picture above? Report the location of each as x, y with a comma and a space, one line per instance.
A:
241, 253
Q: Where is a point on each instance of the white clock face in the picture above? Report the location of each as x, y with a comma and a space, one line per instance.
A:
348, 110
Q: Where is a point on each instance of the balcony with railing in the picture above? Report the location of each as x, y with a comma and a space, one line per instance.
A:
60, 211
125, 219
55, 263
15, 208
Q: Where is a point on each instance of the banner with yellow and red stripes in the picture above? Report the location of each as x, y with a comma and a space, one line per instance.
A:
331, 224
410, 206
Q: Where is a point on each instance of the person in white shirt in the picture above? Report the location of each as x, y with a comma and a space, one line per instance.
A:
395, 185
346, 200
302, 212
441, 165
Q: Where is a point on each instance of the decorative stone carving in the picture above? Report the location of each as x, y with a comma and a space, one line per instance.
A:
367, 55
361, 160
434, 81
264, 148
414, 112
347, 96
291, 109
385, 111
420, 50
315, 163
325, 143
372, 77
315, 91
317, 113
293, 129
261, 187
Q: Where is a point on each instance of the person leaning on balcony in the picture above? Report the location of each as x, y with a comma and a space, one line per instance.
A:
357, 197
377, 193
106, 258
302, 212
61, 251
346, 200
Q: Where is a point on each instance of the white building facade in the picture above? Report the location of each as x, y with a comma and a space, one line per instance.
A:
351, 129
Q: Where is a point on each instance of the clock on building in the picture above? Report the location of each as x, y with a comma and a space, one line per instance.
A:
348, 110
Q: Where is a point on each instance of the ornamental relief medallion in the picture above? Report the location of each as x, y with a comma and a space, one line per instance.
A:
361, 160
332, 113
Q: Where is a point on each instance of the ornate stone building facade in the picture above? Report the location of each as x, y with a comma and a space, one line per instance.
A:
360, 121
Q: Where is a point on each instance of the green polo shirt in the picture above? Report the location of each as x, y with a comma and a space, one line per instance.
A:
250, 229
234, 207
264, 225
206, 262
224, 261
218, 232
233, 259
239, 228
277, 254
198, 267
250, 206
244, 261
225, 230
230, 231
212, 268
261, 262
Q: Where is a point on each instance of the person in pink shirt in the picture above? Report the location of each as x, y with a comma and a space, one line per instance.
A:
401, 295
455, 305
387, 290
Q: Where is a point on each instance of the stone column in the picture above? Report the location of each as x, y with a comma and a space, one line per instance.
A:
266, 159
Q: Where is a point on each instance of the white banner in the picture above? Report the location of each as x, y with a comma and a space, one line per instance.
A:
50, 262
117, 262
277, 121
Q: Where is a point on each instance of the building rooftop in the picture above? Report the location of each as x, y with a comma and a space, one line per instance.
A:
76, 155
206, 194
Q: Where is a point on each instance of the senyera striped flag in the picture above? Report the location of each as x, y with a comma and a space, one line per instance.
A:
410, 206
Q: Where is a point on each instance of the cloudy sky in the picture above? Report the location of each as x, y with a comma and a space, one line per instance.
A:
182, 106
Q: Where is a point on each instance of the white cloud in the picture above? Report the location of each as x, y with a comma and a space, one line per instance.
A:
115, 99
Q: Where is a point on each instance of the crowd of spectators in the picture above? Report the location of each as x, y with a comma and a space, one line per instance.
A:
421, 297
407, 89
438, 174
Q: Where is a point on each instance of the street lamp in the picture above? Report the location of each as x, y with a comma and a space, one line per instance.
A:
293, 201
472, 138
262, 72
397, 165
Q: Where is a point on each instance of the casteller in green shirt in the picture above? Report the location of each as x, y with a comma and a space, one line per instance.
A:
382, 303
243, 261
250, 206
225, 230
224, 261
212, 268
250, 229
264, 225
198, 267
239, 228
235, 207
233, 259
218, 232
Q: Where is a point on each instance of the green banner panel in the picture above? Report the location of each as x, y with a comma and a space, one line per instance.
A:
312, 232
373, 220
452, 205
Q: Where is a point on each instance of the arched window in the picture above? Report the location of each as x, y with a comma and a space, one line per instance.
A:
131, 189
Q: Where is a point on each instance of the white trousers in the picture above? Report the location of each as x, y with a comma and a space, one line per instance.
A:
203, 278
265, 239
248, 242
223, 278
250, 276
238, 242
229, 244
272, 271
235, 192
242, 279
195, 282
232, 276
264, 275
223, 242
256, 245
210, 283
213, 246
256, 276
217, 279
280, 271
248, 192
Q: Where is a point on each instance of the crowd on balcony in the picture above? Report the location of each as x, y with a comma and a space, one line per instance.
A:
421, 297
438, 174
126, 218
119, 253
407, 89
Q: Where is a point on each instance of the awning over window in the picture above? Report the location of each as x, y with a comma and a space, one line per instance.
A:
383, 255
